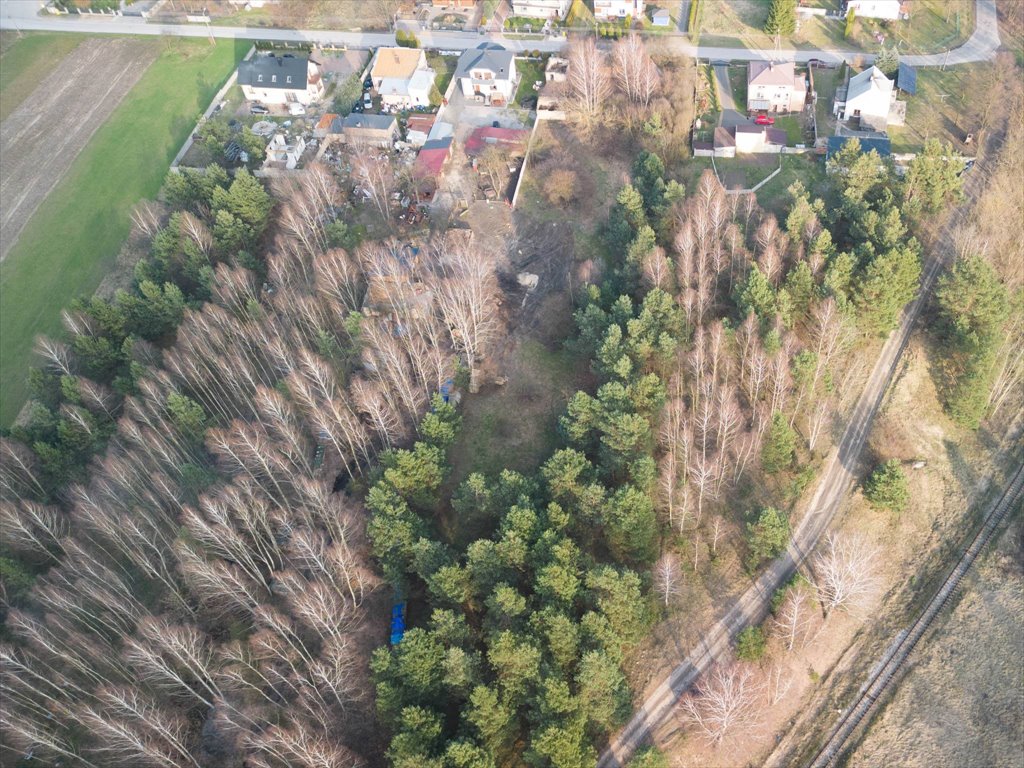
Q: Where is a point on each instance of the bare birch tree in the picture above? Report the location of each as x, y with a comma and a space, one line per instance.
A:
588, 79
667, 575
846, 572
725, 701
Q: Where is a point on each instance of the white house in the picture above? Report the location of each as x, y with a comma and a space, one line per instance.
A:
774, 86
281, 80
541, 9
284, 153
488, 72
869, 97
661, 18
616, 10
401, 77
877, 9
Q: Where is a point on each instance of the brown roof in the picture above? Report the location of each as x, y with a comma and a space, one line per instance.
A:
325, 121
771, 73
396, 62
776, 136
421, 123
723, 138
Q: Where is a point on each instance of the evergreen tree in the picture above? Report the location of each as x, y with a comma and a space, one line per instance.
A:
767, 536
888, 60
933, 177
889, 282
781, 18
750, 644
887, 487
779, 450
757, 295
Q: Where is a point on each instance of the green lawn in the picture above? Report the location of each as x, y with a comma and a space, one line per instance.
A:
444, 67
73, 239
793, 126
529, 71
934, 26
942, 107
809, 169
825, 83
27, 58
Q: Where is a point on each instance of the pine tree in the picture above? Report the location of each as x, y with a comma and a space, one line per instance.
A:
888, 60
781, 18
887, 487
779, 449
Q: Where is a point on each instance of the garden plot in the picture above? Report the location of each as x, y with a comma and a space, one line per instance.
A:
41, 138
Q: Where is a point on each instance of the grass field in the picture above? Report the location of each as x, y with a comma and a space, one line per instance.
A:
67, 247
942, 107
934, 26
25, 59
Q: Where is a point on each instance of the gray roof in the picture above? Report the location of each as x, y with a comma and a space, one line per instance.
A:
370, 122
494, 58
882, 146
274, 71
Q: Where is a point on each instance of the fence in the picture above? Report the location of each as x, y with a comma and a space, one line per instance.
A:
209, 111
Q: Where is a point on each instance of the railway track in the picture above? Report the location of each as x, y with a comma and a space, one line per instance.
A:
885, 673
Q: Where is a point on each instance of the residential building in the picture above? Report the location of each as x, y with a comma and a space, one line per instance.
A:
877, 9
774, 86
869, 97
417, 129
402, 77
488, 72
283, 79
616, 10
430, 162
458, 5
541, 9
369, 130
661, 18
284, 151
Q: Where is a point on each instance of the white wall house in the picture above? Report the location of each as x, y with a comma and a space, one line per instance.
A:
774, 86
281, 80
876, 9
615, 10
283, 152
401, 77
869, 98
541, 9
488, 72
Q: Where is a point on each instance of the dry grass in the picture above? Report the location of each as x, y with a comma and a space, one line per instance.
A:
961, 703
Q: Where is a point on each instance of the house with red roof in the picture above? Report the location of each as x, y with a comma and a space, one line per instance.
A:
430, 162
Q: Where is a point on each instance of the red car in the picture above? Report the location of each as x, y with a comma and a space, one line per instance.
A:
764, 120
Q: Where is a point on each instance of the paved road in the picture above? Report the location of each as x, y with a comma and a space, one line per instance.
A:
23, 14
730, 116
836, 482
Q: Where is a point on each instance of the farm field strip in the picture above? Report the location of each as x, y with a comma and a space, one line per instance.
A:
68, 246
40, 140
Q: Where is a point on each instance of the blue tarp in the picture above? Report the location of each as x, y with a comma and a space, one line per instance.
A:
397, 623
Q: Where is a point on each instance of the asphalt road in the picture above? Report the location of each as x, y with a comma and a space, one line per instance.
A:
24, 15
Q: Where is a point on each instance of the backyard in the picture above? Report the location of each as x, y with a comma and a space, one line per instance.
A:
529, 71
941, 107
934, 26
70, 243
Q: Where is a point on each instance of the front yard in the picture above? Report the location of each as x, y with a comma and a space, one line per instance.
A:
444, 67
934, 26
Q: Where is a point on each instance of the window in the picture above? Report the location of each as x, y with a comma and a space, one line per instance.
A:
259, 78
273, 78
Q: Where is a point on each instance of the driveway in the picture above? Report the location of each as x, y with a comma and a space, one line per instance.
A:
465, 113
730, 116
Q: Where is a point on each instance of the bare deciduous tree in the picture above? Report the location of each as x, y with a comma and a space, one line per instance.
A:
846, 571
725, 701
794, 616
376, 177
588, 80
667, 576
635, 74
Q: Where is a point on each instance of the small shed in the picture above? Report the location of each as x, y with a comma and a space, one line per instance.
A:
360, 128
418, 128
906, 79
430, 162
661, 18
323, 127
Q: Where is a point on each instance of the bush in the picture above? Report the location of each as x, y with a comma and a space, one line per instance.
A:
560, 186
851, 17
750, 644
887, 487
406, 39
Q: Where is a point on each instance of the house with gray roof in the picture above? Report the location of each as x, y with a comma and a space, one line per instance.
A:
359, 128
488, 73
286, 79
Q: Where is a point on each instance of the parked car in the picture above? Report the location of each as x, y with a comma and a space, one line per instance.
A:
296, 109
258, 109
764, 120
367, 100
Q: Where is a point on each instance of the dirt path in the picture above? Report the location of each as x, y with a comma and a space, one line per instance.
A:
836, 482
40, 139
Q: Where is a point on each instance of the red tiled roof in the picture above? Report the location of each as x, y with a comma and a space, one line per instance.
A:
430, 162
506, 137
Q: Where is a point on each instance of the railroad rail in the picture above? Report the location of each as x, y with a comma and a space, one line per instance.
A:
885, 673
